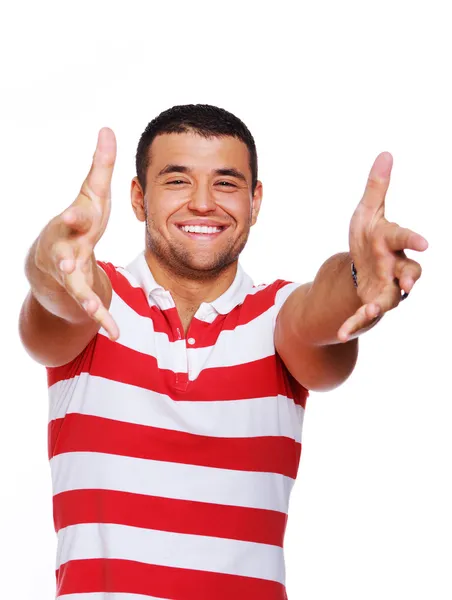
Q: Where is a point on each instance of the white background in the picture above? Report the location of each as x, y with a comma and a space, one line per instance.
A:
324, 87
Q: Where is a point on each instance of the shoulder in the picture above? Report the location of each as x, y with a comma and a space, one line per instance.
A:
108, 267
267, 295
264, 301
124, 281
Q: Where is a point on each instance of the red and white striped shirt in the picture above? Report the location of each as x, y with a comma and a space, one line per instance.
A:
173, 456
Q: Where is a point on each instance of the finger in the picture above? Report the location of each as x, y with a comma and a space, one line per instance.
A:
97, 311
98, 181
401, 238
64, 258
67, 256
77, 287
378, 183
390, 297
78, 218
407, 271
362, 318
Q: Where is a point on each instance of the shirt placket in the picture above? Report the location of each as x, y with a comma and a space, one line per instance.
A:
181, 379
165, 301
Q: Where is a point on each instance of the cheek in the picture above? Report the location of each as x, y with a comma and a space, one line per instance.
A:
244, 215
239, 207
161, 209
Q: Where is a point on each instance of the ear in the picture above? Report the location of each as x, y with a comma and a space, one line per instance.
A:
256, 202
137, 198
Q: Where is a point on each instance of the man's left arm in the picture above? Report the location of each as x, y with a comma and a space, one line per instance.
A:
317, 328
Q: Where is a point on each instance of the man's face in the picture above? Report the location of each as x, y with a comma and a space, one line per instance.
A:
196, 182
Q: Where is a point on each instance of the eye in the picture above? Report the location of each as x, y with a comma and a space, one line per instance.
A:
176, 181
228, 184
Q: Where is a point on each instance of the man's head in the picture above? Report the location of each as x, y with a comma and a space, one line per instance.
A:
196, 166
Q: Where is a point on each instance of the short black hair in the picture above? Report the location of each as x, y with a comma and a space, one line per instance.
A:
203, 119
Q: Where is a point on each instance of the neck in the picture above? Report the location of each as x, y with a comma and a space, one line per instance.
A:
188, 294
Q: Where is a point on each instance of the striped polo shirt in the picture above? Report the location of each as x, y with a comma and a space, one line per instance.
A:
173, 456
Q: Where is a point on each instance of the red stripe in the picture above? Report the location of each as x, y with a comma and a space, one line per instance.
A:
80, 364
114, 575
53, 431
254, 305
266, 454
206, 334
167, 514
257, 379
168, 321
135, 297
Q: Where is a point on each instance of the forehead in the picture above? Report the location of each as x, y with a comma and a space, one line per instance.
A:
195, 151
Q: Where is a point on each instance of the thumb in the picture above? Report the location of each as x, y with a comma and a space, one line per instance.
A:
78, 218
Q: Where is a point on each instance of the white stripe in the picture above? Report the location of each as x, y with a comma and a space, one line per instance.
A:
165, 300
137, 333
208, 314
185, 551
280, 298
100, 397
283, 293
93, 470
107, 596
246, 343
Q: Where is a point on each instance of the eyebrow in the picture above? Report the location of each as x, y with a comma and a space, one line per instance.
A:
230, 171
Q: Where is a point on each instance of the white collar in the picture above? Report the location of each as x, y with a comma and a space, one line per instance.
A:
232, 297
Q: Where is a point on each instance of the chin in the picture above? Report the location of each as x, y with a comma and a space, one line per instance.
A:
190, 264
204, 269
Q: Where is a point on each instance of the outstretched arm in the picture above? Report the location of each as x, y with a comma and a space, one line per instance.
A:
318, 326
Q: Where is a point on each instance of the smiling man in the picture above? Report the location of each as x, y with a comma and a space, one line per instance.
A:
199, 198
177, 387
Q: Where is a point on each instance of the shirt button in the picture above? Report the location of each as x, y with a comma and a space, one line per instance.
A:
191, 341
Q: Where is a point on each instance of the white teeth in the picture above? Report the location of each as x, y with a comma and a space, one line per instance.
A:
200, 229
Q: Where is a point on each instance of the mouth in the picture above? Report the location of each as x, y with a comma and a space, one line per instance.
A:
202, 232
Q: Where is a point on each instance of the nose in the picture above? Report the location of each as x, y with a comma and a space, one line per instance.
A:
202, 200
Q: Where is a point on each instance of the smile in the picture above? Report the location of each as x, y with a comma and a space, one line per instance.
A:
205, 231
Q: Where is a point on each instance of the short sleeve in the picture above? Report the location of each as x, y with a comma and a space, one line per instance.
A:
284, 289
283, 293
74, 365
110, 270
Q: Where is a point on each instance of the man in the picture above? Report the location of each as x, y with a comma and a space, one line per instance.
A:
177, 388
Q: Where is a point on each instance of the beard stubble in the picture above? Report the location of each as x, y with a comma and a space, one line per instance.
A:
178, 260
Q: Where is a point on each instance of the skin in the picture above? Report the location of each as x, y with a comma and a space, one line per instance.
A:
318, 327
199, 268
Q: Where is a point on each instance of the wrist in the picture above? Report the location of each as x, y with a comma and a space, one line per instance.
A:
354, 275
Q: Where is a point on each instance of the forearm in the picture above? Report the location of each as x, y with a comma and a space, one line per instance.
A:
52, 296
330, 300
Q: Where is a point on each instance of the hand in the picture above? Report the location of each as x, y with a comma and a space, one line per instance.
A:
65, 248
377, 248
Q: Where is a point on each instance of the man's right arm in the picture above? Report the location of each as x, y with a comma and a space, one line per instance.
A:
70, 294
53, 327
